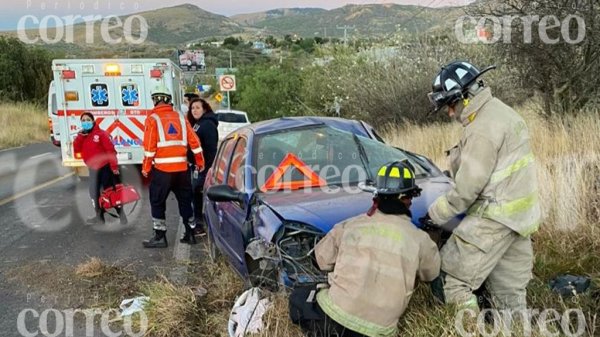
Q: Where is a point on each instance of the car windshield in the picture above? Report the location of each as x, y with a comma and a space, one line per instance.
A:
337, 156
231, 117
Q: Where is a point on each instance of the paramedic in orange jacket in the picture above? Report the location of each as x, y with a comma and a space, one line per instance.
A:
167, 136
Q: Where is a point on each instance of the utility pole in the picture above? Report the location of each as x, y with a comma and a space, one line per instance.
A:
345, 28
230, 67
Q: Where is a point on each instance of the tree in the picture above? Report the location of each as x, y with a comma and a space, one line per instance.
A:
25, 72
268, 91
231, 41
565, 74
271, 41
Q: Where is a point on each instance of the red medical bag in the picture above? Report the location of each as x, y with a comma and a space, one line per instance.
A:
118, 196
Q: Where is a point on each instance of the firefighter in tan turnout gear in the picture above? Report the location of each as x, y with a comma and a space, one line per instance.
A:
495, 186
373, 260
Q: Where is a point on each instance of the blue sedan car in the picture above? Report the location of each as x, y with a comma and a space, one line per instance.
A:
278, 186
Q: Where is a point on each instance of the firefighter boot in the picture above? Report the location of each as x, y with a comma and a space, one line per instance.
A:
159, 240
122, 216
188, 237
97, 219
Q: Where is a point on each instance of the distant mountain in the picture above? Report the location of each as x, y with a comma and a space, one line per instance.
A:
367, 20
186, 23
178, 25
169, 26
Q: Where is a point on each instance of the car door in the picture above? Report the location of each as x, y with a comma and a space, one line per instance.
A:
234, 214
225, 218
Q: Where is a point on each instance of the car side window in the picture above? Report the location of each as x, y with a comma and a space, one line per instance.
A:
235, 176
223, 160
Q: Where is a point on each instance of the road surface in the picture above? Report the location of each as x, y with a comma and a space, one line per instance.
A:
42, 207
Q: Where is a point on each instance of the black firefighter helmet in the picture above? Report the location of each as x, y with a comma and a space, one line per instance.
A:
452, 82
397, 178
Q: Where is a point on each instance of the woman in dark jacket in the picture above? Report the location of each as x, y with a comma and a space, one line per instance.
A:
205, 122
94, 146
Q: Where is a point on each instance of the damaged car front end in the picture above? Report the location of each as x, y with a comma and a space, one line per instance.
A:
296, 179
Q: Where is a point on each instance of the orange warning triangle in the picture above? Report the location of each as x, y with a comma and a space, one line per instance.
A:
274, 182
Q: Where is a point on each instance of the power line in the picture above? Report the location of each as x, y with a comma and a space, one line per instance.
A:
345, 29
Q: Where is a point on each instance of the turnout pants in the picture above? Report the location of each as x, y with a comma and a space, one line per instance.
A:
306, 312
479, 250
161, 185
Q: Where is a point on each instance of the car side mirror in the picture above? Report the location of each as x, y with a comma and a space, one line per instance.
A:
224, 193
447, 174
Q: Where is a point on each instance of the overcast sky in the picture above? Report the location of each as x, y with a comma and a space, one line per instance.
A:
13, 11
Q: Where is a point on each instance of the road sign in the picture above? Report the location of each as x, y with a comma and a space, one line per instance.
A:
227, 83
219, 97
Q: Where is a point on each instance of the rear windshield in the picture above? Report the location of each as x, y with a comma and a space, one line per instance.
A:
231, 117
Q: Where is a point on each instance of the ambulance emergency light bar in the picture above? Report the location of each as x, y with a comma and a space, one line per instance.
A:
112, 69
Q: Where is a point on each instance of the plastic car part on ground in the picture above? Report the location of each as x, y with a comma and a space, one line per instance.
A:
247, 312
132, 305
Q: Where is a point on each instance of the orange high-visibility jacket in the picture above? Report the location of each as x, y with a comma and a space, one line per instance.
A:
166, 138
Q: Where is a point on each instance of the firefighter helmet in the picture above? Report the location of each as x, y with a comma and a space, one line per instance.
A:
397, 178
452, 83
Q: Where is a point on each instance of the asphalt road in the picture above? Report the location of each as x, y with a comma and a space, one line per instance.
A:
42, 207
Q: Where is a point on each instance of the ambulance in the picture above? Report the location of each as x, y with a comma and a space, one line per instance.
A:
117, 93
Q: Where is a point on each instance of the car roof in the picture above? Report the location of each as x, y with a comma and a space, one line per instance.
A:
283, 123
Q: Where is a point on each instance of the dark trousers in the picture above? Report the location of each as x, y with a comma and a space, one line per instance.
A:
306, 312
100, 180
198, 191
161, 184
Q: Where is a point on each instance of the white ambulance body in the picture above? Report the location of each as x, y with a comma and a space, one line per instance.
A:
116, 92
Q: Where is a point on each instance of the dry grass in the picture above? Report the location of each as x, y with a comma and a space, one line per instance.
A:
22, 124
175, 311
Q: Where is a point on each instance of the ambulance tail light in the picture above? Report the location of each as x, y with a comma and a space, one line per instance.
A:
112, 70
156, 73
71, 96
68, 74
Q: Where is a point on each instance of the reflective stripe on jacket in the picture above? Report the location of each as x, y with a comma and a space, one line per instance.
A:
496, 175
374, 262
166, 138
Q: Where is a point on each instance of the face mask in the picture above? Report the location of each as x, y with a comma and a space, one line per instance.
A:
87, 126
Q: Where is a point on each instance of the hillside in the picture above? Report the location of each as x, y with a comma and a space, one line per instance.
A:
174, 26
368, 20
169, 26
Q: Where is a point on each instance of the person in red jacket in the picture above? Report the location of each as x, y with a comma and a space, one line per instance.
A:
95, 147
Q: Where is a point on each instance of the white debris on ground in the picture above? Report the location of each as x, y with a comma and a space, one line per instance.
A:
247, 312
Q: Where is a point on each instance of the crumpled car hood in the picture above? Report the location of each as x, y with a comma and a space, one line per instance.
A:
324, 208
